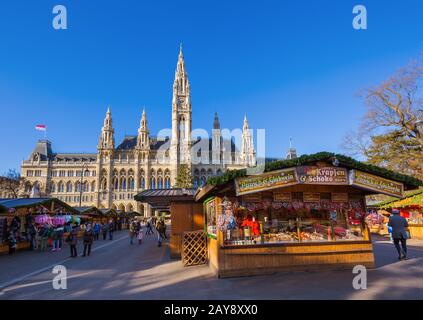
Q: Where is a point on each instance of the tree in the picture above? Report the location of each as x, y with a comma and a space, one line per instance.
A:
397, 104
396, 152
11, 183
184, 178
391, 133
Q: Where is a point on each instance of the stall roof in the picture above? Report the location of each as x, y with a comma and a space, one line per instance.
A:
161, 198
343, 161
414, 198
108, 211
7, 204
223, 181
90, 210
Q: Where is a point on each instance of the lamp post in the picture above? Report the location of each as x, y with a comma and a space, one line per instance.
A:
80, 186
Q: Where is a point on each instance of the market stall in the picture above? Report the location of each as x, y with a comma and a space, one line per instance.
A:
17, 214
90, 214
302, 214
186, 214
411, 208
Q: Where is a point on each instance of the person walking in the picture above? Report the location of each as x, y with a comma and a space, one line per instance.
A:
140, 234
399, 227
111, 229
11, 241
32, 233
161, 229
43, 235
132, 232
88, 240
96, 230
149, 227
104, 230
73, 242
57, 236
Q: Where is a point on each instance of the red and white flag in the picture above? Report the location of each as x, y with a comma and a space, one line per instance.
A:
40, 127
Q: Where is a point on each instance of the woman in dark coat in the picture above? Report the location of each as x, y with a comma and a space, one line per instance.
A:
73, 242
88, 240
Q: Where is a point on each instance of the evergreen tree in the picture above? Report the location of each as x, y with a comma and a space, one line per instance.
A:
184, 178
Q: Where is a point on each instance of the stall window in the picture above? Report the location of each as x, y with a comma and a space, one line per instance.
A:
292, 221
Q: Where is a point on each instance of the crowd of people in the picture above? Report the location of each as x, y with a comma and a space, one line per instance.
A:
49, 237
136, 230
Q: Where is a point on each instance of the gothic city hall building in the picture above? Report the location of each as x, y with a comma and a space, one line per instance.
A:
112, 177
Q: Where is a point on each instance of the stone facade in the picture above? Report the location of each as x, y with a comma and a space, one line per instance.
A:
112, 177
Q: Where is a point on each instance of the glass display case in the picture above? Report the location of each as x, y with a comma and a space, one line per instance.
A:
283, 225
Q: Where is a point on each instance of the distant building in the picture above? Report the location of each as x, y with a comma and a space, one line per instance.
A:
292, 152
111, 177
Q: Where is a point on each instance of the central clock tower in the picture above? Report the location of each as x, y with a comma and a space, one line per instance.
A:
180, 148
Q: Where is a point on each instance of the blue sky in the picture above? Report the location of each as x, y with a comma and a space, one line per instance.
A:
296, 68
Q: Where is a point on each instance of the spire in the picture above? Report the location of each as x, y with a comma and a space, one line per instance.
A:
216, 122
247, 155
245, 123
143, 139
181, 83
143, 122
107, 139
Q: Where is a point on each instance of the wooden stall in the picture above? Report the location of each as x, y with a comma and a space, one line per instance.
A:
186, 215
411, 207
302, 214
23, 209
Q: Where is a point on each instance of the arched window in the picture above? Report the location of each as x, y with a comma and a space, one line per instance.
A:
131, 183
85, 187
53, 187
196, 182
69, 186
60, 187
203, 181
153, 183
86, 173
142, 183
160, 183
219, 172
28, 186
93, 186
123, 183
78, 186
167, 183
104, 184
115, 183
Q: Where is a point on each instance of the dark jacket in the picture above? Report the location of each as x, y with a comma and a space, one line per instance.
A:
88, 236
74, 237
398, 225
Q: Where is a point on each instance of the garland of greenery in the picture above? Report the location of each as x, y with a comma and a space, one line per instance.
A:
321, 156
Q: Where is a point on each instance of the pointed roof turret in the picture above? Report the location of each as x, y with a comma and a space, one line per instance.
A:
245, 122
216, 122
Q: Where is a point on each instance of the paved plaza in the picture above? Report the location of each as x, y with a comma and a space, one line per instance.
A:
117, 270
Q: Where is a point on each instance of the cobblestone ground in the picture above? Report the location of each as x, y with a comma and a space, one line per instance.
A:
118, 270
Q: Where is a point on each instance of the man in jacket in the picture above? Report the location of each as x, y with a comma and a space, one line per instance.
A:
132, 232
104, 230
73, 242
96, 230
161, 230
111, 229
399, 227
88, 240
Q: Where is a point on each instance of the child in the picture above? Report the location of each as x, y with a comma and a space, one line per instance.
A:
140, 235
